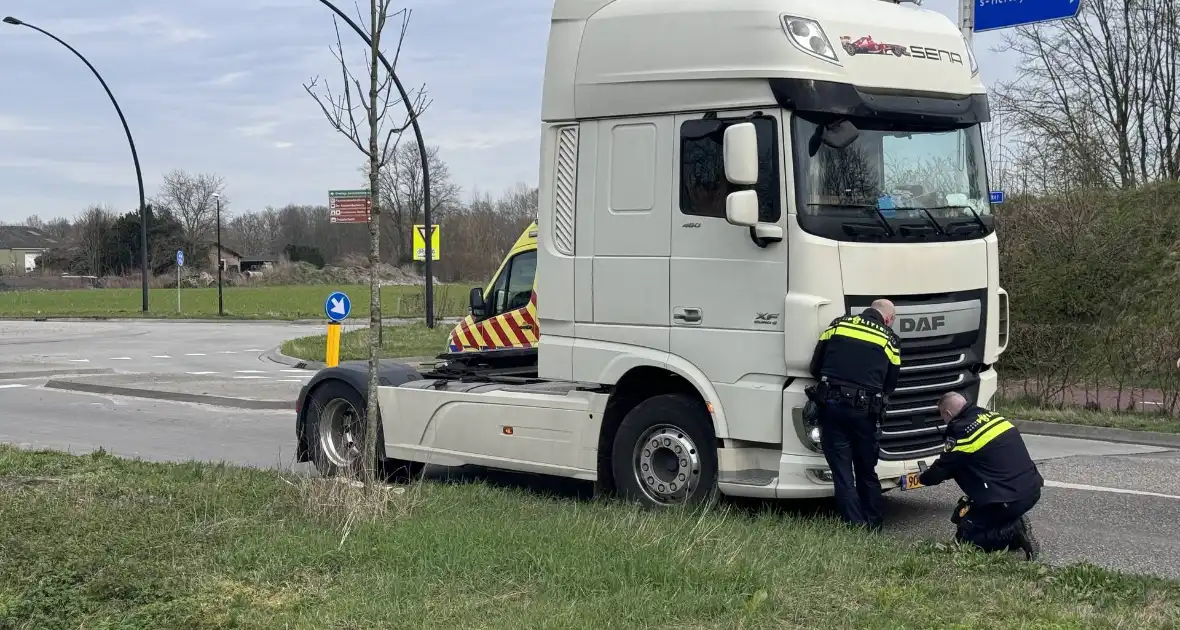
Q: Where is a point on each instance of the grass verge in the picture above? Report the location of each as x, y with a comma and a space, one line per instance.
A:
408, 340
97, 541
1145, 421
264, 302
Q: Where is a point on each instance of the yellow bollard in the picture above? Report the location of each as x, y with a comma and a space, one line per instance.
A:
332, 354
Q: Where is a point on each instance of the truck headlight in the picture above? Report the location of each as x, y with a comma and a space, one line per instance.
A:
813, 435
808, 36
806, 421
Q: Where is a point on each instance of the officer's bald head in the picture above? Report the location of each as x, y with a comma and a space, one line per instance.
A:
885, 308
950, 405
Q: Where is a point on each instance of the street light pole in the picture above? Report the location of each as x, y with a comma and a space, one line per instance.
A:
220, 303
421, 151
134, 155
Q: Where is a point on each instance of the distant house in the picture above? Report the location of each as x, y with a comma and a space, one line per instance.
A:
20, 246
259, 263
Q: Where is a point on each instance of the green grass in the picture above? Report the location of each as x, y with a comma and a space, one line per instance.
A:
100, 542
1145, 421
264, 302
403, 341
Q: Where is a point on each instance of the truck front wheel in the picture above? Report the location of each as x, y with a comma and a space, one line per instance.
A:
664, 452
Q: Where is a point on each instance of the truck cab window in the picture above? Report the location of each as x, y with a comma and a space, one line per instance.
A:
514, 287
703, 187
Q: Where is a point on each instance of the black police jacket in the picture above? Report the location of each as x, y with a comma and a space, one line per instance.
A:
859, 350
986, 456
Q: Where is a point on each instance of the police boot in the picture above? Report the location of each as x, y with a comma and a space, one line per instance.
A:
1025, 539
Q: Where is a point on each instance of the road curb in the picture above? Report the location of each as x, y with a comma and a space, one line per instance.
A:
1105, 434
207, 399
276, 355
10, 376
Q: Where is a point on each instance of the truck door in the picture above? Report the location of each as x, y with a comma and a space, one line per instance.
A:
727, 293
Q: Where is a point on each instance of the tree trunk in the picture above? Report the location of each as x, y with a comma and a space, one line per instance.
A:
372, 413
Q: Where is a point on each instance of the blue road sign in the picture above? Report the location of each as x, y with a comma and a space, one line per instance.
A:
338, 306
991, 15
997, 196
180, 257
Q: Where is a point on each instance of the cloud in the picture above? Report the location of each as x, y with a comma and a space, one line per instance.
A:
229, 78
288, 145
13, 124
163, 28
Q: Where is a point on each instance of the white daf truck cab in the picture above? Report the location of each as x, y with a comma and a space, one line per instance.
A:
719, 180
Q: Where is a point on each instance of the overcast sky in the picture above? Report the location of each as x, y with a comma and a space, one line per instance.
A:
216, 86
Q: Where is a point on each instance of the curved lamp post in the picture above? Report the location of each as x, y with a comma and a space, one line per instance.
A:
421, 151
134, 155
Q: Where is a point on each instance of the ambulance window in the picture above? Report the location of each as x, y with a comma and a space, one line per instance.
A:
703, 187
520, 273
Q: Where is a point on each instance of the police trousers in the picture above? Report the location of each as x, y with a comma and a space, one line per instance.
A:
848, 437
994, 526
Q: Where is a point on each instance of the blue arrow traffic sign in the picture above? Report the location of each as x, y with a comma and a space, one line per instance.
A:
180, 257
991, 15
997, 196
338, 306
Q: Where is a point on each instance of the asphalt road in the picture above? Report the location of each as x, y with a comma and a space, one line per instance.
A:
1113, 505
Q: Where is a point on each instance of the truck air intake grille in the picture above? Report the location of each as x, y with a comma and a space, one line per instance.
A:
564, 189
912, 428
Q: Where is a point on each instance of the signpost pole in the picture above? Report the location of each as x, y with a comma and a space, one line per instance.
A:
967, 21
179, 265
336, 307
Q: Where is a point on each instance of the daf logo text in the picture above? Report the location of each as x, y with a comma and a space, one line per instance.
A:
921, 324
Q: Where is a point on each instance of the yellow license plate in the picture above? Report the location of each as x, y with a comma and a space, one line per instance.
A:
910, 481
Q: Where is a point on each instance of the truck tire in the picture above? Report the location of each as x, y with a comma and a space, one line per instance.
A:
664, 452
335, 434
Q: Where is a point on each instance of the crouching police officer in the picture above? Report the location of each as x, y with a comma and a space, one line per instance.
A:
856, 362
987, 458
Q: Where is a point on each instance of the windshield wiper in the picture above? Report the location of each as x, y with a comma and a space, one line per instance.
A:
978, 219
937, 225
862, 206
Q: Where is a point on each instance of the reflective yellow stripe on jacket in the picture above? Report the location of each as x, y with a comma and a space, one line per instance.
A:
993, 426
855, 330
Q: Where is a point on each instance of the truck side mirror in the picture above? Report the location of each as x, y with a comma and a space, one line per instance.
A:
740, 149
741, 208
478, 306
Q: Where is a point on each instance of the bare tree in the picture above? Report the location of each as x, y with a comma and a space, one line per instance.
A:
191, 199
1097, 97
91, 232
401, 194
379, 147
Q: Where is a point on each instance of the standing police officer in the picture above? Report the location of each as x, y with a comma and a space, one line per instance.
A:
986, 456
857, 362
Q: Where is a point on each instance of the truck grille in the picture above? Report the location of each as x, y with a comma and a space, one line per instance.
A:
912, 428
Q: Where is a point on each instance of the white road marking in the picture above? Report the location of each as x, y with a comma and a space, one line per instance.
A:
200, 373
12, 386
161, 356
119, 359
294, 371
1082, 486
195, 354
251, 377
228, 352
254, 350
250, 372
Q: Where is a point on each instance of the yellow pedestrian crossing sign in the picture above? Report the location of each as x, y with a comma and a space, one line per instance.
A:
420, 242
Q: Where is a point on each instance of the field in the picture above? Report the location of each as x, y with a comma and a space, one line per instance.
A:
100, 542
265, 302
399, 342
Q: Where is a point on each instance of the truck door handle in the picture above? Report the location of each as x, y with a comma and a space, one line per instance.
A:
687, 315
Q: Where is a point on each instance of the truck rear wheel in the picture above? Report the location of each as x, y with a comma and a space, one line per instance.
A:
664, 452
335, 428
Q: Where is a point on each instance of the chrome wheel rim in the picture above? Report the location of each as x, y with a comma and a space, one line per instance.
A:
340, 433
667, 464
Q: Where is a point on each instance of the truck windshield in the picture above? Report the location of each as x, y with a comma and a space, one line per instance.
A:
892, 183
